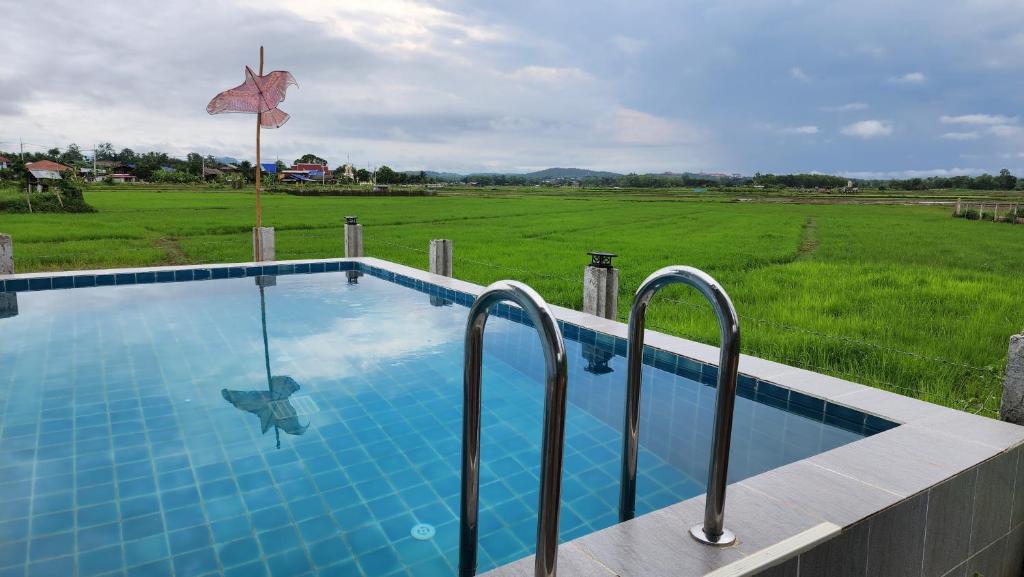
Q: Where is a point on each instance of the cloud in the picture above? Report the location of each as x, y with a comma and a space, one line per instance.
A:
798, 73
972, 135
889, 174
910, 78
636, 127
979, 119
629, 45
806, 129
548, 74
868, 129
848, 107
1005, 130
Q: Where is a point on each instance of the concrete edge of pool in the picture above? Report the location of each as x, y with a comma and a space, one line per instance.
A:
937, 495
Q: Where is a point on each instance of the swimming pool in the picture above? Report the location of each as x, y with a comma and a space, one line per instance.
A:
308, 423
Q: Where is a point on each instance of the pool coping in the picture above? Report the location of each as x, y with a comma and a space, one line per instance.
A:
872, 475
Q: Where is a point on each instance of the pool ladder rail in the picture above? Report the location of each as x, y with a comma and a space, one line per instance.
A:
552, 444
712, 531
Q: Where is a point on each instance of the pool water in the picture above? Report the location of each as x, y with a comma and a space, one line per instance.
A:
152, 430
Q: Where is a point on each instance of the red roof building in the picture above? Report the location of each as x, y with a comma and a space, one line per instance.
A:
310, 167
47, 165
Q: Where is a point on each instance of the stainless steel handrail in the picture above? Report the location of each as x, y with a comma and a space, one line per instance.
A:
554, 424
712, 531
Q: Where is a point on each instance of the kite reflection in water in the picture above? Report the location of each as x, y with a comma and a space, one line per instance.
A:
273, 406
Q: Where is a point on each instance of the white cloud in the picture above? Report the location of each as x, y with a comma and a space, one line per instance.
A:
636, 127
848, 107
799, 74
979, 119
1005, 130
806, 129
972, 135
910, 78
629, 45
548, 74
868, 129
911, 173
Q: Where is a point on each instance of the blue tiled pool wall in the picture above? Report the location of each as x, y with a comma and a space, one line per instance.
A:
748, 387
65, 281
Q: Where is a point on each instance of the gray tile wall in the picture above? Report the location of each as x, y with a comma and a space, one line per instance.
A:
970, 525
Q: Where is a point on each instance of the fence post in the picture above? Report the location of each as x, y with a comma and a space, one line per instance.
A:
1012, 407
956, 211
6, 254
601, 286
981, 211
262, 243
441, 250
353, 237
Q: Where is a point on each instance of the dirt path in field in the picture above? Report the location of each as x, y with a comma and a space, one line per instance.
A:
172, 247
808, 238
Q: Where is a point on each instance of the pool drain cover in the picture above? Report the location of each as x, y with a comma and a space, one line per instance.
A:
422, 532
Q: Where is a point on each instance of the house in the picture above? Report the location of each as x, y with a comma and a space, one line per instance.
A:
43, 174
123, 177
311, 167
48, 165
294, 176
5, 163
212, 173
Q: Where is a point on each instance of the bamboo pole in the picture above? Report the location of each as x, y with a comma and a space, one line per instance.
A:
259, 174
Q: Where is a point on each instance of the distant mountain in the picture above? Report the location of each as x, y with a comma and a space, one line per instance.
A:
226, 160
569, 173
451, 176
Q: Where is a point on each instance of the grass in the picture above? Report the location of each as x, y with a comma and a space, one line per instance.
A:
900, 297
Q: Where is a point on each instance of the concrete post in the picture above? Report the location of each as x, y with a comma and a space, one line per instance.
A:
981, 211
262, 243
995, 214
353, 237
441, 251
6, 254
601, 286
956, 211
1012, 407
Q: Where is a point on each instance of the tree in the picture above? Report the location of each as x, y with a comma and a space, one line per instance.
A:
105, 151
195, 163
127, 155
72, 155
53, 153
385, 175
310, 158
362, 175
1006, 180
245, 167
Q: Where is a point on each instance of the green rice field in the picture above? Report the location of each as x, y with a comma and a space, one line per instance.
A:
894, 296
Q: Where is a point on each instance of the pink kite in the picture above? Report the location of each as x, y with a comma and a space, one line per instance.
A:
258, 94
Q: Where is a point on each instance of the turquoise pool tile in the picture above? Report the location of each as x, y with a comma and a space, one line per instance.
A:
279, 540
99, 561
238, 552
195, 563
146, 550
289, 564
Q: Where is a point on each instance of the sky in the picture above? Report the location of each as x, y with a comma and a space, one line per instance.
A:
865, 88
